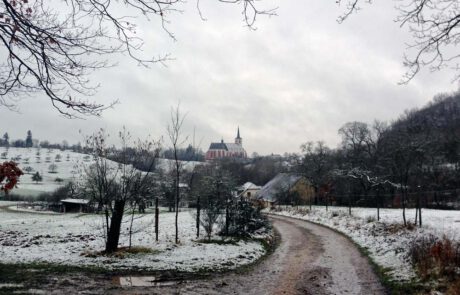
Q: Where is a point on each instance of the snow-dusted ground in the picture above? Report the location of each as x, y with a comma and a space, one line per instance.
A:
68, 238
387, 241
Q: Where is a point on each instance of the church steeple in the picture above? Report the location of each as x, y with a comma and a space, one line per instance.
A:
238, 139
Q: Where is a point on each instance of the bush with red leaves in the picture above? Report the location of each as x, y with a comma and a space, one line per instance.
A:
9, 176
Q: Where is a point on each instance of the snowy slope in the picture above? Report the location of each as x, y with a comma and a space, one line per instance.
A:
69, 165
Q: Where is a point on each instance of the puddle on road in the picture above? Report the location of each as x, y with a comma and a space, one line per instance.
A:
131, 281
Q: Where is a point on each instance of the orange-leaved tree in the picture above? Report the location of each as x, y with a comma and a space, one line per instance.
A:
9, 176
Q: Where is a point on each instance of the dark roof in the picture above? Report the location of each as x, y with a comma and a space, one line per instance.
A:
75, 201
218, 146
280, 183
238, 133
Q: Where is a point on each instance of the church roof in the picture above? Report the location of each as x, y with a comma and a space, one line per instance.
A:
218, 146
234, 148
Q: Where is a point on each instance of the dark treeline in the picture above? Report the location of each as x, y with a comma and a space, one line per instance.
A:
189, 153
411, 161
29, 141
130, 156
258, 170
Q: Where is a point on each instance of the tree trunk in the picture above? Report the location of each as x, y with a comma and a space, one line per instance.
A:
404, 207
420, 210
227, 217
115, 226
378, 204
177, 207
198, 209
157, 213
326, 201
349, 204
133, 209
107, 224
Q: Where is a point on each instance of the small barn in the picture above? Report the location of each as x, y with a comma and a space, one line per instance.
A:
75, 205
249, 191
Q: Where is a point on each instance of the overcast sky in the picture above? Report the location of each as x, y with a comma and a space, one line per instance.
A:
299, 77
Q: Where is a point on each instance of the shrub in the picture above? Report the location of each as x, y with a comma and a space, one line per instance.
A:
370, 219
435, 257
37, 177
245, 219
304, 211
454, 287
64, 192
52, 168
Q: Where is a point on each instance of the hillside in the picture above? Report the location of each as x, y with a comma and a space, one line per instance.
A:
68, 165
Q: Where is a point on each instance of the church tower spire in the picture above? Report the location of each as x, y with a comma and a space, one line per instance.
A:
238, 139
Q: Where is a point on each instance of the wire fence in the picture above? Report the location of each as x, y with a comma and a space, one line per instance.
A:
434, 199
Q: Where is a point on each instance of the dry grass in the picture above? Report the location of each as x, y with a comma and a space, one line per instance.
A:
121, 252
436, 258
454, 288
394, 228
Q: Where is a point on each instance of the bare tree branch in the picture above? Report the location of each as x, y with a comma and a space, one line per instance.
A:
52, 47
435, 29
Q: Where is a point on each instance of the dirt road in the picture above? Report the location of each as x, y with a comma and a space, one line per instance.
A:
309, 260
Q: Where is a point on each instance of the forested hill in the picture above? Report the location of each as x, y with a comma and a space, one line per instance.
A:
441, 114
437, 125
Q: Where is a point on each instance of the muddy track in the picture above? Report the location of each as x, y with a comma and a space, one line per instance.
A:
310, 259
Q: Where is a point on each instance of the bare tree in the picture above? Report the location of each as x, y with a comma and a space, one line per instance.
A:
177, 139
215, 186
113, 185
435, 28
53, 46
315, 165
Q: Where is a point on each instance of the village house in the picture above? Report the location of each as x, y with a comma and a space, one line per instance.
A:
286, 189
248, 190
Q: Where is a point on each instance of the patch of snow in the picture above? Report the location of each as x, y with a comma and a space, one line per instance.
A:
71, 239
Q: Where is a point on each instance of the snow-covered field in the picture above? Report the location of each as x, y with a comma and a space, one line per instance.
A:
387, 241
71, 239
69, 167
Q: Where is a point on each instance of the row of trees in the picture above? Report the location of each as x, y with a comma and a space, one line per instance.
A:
417, 153
28, 142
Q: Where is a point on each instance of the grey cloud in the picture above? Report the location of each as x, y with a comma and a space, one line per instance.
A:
299, 77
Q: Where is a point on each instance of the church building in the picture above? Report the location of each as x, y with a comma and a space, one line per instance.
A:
218, 150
